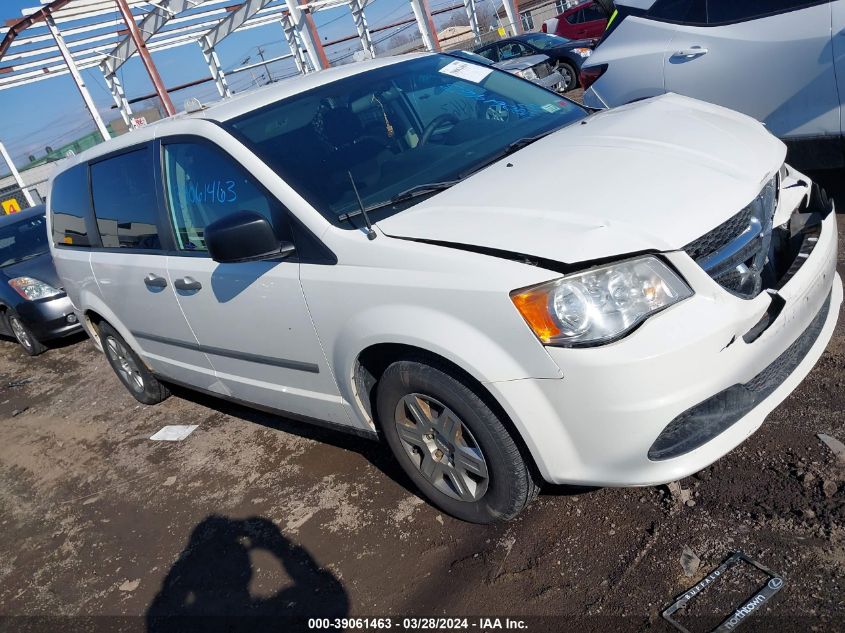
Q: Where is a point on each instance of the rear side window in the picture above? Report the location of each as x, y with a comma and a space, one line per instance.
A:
686, 11
70, 203
203, 184
125, 203
720, 11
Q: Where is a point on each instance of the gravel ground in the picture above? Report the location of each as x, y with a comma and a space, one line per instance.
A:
256, 515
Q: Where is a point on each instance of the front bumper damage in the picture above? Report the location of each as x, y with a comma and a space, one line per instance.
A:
696, 380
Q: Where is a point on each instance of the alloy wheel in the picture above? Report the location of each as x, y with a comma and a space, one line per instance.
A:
21, 334
441, 446
125, 364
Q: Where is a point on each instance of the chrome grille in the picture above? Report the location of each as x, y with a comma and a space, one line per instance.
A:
723, 234
735, 252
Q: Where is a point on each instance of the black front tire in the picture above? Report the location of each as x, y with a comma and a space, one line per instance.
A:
130, 369
510, 485
27, 340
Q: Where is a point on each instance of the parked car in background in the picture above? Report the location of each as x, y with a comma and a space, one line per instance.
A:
33, 306
567, 55
778, 61
583, 21
536, 68
408, 273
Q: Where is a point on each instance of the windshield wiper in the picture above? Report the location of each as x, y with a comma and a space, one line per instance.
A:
421, 190
409, 194
507, 151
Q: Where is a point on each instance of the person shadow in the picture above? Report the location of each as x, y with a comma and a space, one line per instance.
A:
208, 587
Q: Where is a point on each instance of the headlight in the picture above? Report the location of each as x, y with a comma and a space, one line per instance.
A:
32, 289
602, 304
528, 73
583, 52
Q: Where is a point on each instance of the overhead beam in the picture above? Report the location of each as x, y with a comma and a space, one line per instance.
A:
151, 24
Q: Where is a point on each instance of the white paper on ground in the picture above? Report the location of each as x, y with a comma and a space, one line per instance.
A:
466, 70
174, 432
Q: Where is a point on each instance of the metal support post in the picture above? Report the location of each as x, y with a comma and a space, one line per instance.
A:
469, 5
120, 99
357, 8
145, 56
214, 66
295, 45
77, 77
512, 11
422, 13
304, 25
16, 175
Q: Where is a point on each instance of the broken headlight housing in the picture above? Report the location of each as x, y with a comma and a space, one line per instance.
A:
602, 304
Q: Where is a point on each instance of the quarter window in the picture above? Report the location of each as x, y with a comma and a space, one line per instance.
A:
720, 11
203, 185
70, 202
686, 11
125, 202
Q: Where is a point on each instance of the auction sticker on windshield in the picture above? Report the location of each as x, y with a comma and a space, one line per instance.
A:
465, 70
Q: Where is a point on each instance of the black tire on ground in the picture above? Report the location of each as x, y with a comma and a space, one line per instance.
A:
130, 369
510, 485
570, 76
27, 340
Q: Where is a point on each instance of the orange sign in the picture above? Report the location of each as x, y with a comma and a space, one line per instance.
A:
10, 206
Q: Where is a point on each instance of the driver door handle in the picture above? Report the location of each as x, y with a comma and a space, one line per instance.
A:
690, 53
187, 283
154, 281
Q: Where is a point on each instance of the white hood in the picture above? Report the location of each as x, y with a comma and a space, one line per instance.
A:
652, 175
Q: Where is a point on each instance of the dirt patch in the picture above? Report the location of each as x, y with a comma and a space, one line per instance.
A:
257, 515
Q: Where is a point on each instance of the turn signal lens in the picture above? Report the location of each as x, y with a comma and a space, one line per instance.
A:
534, 308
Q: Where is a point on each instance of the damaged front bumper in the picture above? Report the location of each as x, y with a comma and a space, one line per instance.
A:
695, 381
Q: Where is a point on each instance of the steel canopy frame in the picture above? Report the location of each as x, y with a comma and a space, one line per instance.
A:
166, 24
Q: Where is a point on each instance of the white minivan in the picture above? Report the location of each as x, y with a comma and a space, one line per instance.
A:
381, 247
779, 61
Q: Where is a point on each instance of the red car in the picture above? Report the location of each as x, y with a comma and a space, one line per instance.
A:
584, 20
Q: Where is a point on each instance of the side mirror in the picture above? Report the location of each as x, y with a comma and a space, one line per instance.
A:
244, 236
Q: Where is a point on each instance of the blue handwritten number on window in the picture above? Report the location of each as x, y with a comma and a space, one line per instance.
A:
214, 191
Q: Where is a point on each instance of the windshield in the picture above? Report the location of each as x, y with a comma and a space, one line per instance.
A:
433, 119
544, 41
23, 240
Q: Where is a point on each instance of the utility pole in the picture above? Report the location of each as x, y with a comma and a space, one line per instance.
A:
145, 56
266, 66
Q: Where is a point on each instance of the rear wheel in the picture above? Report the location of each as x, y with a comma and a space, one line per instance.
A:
453, 446
130, 369
25, 337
